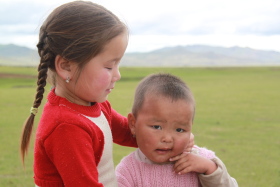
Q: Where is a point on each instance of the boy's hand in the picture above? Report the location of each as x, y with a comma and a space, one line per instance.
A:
189, 147
189, 162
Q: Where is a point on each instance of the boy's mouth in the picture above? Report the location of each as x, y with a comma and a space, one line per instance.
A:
163, 151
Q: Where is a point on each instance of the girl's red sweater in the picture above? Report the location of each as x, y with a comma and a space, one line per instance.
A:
69, 146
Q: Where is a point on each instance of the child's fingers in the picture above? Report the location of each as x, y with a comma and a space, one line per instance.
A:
188, 149
182, 168
184, 171
181, 163
190, 145
175, 158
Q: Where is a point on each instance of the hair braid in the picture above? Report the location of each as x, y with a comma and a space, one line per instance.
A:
46, 58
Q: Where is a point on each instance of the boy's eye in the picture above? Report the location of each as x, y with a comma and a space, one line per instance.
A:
180, 130
156, 127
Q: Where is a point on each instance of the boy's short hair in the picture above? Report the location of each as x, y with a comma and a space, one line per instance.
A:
161, 84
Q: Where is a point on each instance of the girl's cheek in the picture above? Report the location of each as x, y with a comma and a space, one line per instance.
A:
103, 78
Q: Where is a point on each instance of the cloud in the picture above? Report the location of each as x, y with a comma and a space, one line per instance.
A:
263, 24
20, 18
162, 22
210, 17
20, 12
23, 29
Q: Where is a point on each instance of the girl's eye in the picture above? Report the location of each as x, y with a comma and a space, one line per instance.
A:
156, 127
180, 130
109, 68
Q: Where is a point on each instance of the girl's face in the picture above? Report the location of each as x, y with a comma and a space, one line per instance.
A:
99, 75
162, 127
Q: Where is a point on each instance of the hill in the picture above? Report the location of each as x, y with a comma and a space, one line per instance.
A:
201, 55
191, 55
14, 55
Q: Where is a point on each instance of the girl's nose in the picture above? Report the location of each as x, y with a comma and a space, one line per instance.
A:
117, 75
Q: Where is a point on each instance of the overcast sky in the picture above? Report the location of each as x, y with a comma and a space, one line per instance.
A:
155, 24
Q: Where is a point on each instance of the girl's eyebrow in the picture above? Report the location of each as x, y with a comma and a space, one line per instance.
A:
114, 60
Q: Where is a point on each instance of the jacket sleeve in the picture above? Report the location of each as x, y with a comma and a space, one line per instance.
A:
119, 126
219, 178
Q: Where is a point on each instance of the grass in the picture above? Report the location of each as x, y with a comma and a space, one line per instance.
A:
237, 116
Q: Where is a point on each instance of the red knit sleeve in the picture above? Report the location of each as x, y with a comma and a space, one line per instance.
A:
71, 150
119, 125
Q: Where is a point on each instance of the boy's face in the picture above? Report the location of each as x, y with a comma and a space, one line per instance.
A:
162, 127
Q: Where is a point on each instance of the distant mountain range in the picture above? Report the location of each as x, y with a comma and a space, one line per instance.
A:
191, 55
13, 55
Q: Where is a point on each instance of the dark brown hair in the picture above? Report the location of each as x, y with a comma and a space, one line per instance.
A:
77, 31
161, 84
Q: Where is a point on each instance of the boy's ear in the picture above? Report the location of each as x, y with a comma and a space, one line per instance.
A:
131, 122
63, 67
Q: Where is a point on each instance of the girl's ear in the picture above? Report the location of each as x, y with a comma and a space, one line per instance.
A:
63, 67
131, 122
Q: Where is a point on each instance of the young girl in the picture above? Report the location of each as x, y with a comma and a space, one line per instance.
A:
161, 120
80, 45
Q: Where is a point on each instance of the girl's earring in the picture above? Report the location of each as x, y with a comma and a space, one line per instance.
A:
67, 80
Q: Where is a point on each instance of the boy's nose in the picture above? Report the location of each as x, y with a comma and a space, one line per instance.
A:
167, 138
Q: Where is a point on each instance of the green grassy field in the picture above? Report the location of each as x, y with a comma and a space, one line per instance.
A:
237, 116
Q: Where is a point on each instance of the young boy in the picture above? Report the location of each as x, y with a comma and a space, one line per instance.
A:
161, 120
